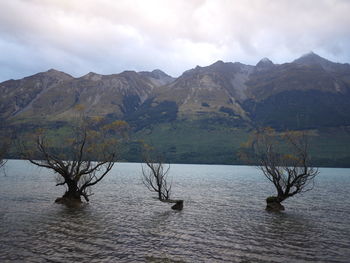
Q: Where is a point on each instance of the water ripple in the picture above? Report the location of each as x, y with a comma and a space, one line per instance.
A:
223, 219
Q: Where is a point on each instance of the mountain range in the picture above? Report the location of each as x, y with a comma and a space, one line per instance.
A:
219, 100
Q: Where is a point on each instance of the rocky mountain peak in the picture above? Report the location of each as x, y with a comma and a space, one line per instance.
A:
157, 76
53, 73
52, 70
217, 63
311, 58
129, 74
92, 76
264, 63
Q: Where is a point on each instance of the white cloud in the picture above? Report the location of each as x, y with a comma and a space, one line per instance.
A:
107, 36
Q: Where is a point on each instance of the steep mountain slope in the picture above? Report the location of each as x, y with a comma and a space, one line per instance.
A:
310, 72
218, 88
55, 99
302, 94
307, 93
202, 116
17, 96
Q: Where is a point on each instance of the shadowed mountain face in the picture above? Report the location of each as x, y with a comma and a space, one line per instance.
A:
309, 92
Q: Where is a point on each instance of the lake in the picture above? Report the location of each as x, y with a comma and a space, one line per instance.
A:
223, 220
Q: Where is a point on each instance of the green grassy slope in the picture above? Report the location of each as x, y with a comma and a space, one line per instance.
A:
203, 142
191, 142
331, 147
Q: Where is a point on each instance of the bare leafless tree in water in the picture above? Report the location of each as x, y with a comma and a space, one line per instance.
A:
155, 177
3, 151
77, 174
91, 156
290, 173
5, 142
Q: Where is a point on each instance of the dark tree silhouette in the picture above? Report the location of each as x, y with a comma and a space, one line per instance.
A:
75, 167
5, 141
3, 151
155, 178
290, 173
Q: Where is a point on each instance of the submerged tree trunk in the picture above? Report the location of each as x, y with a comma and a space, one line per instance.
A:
179, 204
273, 203
72, 196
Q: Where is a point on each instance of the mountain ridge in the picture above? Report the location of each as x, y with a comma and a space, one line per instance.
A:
227, 89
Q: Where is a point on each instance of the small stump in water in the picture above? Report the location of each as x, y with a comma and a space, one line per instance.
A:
69, 201
179, 204
273, 204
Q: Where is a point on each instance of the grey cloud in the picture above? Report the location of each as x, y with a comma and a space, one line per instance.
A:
106, 36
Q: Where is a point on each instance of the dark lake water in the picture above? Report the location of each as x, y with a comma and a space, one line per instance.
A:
223, 219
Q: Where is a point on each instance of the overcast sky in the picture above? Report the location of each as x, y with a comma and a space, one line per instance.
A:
109, 36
